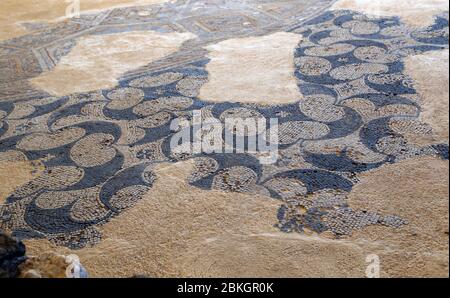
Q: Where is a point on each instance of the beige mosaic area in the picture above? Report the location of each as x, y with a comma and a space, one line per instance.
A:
418, 13
97, 61
430, 73
13, 13
181, 231
253, 69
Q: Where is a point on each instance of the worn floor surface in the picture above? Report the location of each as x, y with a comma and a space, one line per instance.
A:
360, 90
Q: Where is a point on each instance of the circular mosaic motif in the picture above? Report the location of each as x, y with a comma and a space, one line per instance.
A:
99, 148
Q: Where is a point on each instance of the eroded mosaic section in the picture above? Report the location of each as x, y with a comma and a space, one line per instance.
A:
99, 148
27, 56
253, 69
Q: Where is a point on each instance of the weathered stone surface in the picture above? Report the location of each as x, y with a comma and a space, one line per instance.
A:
417, 190
28, 11
98, 61
430, 74
254, 69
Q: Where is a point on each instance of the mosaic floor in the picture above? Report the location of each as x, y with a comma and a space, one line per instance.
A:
93, 151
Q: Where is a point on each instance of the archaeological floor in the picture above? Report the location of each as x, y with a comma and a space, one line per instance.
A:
360, 91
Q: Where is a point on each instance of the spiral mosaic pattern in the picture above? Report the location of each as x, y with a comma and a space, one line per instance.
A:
98, 148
